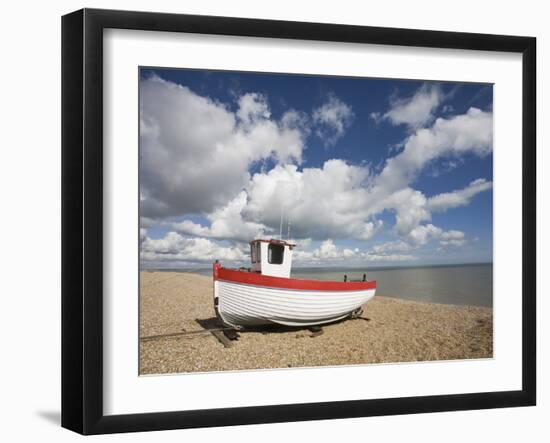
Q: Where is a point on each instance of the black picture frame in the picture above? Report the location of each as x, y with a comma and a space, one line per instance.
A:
82, 219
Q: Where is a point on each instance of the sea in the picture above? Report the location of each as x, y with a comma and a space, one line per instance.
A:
467, 284
470, 284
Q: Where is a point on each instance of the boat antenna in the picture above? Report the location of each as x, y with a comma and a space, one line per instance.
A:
282, 184
288, 229
281, 223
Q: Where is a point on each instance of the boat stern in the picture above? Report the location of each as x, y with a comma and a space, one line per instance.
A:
215, 270
216, 292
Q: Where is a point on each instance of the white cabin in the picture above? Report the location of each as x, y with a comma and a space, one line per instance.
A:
271, 257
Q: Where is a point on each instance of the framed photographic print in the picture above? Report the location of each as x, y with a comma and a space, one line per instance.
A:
269, 221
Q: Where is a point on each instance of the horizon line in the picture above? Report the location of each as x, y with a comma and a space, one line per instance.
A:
426, 265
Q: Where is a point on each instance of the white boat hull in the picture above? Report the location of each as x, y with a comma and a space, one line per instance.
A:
244, 305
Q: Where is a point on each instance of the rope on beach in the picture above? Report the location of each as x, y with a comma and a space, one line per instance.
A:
183, 334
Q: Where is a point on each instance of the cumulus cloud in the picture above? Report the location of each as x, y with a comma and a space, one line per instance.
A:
392, 246
329, 252
341, 200
390, 258
332, 119
146, 222
461, 197
318, 202
424, 233
195, 153
453, 242
467, 133
415, 111
253, 108
293, 119
410, 208
327, 202
453, 137
142, 235
226, 223
377, 117
174, 247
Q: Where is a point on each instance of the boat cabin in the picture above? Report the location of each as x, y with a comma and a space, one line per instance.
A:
271, 257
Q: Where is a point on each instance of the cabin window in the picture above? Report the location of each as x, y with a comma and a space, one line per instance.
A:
275, 254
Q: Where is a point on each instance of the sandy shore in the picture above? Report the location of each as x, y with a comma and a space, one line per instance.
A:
397, 331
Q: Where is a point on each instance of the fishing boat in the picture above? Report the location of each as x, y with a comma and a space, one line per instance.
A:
265, 294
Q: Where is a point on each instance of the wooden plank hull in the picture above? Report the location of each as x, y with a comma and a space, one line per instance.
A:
242, 305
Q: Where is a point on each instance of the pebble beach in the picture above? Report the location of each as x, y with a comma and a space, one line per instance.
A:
391, 330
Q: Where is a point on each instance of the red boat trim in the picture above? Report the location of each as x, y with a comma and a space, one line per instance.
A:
253, 278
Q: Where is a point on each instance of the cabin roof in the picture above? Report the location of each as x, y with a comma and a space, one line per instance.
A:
274, 241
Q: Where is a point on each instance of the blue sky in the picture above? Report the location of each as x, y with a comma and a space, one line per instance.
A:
370, 172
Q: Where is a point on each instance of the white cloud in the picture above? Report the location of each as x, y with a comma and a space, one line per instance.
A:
142, 234
415, 111
467, 133
341, 200
452, 235
195, 153
173, 247
457, 243
332, 119
327, 202
293, 119
376, 117
303, 243
146, 222
410, 209
329, 252
195, 229
253, 108
392, 246
226, 223
389, 257
326, 252
422, 234
462, 197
